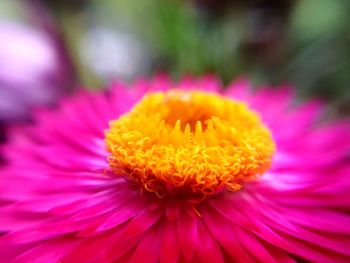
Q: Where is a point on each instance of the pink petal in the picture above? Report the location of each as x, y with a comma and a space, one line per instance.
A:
148, 248
51, 251
222, 230
169, 246
188, 235
209, 250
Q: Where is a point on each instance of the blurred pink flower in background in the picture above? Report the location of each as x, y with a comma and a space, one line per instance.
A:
62, 200
31, 71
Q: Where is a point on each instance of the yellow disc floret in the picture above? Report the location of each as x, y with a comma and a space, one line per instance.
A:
189, 143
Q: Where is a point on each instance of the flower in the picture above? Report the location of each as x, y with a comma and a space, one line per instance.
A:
191, 174
31, 72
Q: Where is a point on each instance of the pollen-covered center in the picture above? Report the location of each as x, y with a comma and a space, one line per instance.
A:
189, 143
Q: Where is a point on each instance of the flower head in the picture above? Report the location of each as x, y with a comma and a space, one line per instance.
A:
189, 143
190, 174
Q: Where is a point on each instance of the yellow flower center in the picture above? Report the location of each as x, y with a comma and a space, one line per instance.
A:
189, 143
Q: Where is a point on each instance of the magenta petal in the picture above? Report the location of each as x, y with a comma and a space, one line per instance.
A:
240, 89
208, 83
325, 221
148, 248
170, 251
98, 202
209, 249
113, 202
335, 243
120, 247
51, 251
188, 235
120, 216
248, 240
91, 249
160, 82
39, 205
12, 220
141, 223
223, 231
32, 234
187, 82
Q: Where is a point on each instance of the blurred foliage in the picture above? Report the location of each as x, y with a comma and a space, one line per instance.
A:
307, 45
186, 40
181, 38
11, 10
319, 59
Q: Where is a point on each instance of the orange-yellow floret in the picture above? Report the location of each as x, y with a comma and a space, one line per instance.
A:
189, 143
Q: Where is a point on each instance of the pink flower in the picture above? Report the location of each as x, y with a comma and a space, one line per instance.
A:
80, 189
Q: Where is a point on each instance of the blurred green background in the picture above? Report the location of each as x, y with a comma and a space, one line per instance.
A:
302, 42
